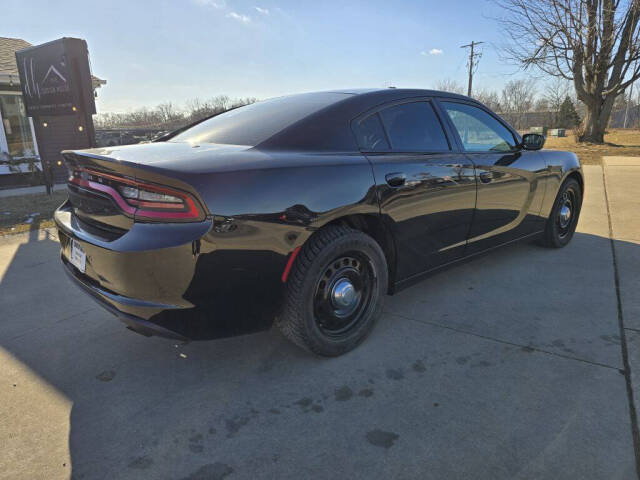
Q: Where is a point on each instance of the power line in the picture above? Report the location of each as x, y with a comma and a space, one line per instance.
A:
472, 56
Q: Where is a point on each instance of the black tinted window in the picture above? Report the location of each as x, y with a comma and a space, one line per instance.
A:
479, 131
253, 124
370, 134
414, 127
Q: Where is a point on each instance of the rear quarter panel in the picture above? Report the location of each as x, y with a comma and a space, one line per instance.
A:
260, 216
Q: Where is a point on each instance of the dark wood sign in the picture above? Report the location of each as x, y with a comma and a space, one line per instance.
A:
55, 78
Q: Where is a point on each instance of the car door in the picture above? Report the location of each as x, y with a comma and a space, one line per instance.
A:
426, 187
510, 180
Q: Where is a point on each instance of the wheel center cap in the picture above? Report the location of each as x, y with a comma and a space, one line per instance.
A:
565, 215
343, 294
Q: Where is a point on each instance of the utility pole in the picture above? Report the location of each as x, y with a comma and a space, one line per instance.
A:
472, 57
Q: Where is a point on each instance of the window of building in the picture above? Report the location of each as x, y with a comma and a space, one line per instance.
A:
16, 126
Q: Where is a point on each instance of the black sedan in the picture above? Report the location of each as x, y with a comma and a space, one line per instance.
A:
307, 209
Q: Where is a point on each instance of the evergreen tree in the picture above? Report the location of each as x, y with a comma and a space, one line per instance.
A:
567, 116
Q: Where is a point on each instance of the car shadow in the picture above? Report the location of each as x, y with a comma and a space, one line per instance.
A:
150, 407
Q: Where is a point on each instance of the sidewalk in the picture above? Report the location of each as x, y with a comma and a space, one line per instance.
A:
622, 176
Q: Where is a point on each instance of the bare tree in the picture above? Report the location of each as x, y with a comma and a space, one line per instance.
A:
169, 113
554, 93
490, 98
541, 104
544, 115
198, 109
167, 116
517, 99
594, 43
451, 86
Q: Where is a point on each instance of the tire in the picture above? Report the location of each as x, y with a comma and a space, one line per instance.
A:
320, 312
558, 231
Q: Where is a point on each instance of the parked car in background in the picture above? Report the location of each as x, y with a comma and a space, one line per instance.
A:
308, 209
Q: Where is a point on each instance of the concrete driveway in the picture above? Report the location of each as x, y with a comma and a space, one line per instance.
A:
515, 365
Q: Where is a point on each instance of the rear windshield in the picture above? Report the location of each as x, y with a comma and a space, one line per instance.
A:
255, 123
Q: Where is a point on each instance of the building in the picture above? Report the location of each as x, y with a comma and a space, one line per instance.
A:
19, 151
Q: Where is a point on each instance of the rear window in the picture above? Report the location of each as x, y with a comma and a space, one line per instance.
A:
370, 134
255, 123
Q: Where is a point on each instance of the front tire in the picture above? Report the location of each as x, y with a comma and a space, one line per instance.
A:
563, 220
334, 292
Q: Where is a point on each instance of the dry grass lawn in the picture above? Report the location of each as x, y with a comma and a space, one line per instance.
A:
617, 142
29, 212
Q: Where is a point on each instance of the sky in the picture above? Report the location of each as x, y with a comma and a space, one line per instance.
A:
173, 51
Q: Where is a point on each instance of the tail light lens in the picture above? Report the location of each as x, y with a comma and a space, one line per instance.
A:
142, 200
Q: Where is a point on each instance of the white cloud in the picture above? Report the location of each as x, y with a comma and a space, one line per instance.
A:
239, 17
263, 11
219, 4
222, 5
435, 51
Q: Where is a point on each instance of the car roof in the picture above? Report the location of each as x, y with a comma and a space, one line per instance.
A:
400, 92
329, 128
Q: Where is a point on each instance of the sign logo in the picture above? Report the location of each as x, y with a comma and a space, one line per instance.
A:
52, 83
55, 78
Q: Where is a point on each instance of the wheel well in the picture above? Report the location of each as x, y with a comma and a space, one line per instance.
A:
578, 178
373, 226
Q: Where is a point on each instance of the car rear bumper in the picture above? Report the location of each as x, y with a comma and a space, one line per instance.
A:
115, 304
181, 281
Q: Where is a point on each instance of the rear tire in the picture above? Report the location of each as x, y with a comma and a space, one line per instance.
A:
565, 213
334, 292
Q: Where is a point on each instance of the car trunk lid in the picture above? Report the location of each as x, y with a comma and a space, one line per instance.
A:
111, 194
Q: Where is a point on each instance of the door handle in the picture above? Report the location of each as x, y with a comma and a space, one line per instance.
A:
486, 177
395, 179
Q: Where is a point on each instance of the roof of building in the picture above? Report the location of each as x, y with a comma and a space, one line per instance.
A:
8, 49
8, 66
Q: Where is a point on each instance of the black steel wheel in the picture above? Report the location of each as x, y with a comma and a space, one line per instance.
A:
343, 293
565, 213
334, 291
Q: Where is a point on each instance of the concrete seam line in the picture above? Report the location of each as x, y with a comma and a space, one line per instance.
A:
623, 337
507, 342
42, 327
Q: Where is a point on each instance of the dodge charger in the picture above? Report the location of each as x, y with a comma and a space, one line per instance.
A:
305, 211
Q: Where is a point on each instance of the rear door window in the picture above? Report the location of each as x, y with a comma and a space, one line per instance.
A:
414, 127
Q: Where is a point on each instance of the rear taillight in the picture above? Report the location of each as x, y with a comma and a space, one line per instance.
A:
143, 200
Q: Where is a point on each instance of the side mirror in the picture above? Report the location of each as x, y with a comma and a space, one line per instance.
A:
532, 141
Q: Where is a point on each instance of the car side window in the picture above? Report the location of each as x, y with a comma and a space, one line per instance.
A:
414, 127
370, 134
479, 131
